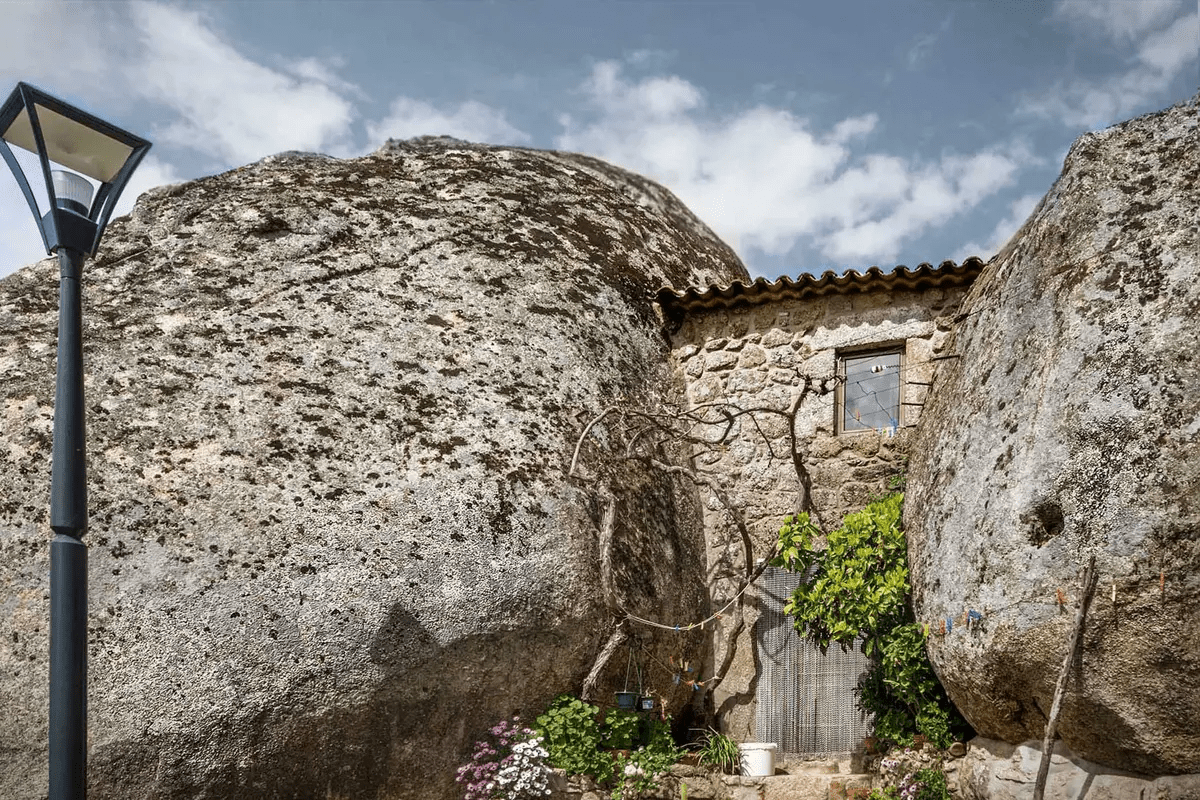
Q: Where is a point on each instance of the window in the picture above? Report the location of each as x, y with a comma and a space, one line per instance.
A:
868, 399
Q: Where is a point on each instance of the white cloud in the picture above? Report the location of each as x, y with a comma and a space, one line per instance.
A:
226, 105
213, 100
25, 56
1172, 48
1018, 212
220, 103
853, 127
1121, 20
472, 121
1161, 46
649, 58
917, 198
764, 180
652, 98
315, 70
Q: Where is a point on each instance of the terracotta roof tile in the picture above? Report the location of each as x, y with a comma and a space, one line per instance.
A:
675, 303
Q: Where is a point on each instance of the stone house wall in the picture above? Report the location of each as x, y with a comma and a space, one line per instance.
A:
775, 348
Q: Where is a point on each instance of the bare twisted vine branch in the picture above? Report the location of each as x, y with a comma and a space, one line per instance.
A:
641, 434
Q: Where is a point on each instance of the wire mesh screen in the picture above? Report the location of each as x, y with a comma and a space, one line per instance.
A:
805, 700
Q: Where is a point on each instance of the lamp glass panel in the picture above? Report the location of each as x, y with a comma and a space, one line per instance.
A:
71, 144
31, 168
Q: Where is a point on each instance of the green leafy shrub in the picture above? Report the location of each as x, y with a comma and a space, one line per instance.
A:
860, 590
622, 729
861, 579
931, 785
571, 734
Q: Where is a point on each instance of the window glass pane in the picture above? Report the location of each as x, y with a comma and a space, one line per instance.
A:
872, 392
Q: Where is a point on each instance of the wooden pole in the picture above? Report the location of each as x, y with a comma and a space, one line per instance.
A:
1085, 598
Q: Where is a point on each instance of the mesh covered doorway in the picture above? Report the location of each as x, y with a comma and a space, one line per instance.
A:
805, 700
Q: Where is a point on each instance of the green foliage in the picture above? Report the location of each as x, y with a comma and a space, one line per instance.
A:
884, 793
941, 723
638, 772
894, 722
571, 735
904, 693
720, 752
579, 743
931, 785
621, 729
903, 666
898, 482
659, 739
861, 581
860, 591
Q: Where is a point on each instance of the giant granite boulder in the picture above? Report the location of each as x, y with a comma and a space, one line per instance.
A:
1069, 427
332, 405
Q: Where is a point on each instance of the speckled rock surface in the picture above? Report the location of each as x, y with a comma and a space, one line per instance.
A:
994, 770
1070, 427
331, 406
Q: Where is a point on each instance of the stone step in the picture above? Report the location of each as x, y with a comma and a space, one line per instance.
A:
789, 783
799, 785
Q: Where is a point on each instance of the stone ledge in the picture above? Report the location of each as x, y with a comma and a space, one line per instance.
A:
994, 770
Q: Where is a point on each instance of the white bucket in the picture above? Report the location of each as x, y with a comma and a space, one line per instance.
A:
758, 758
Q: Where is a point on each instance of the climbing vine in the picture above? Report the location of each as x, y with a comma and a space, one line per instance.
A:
859, 591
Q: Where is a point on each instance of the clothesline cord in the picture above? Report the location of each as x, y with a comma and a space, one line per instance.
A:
694, 625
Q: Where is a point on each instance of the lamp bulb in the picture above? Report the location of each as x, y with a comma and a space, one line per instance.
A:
72, 191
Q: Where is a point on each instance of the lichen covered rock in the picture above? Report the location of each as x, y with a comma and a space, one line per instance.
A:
1069, 426
332, 404
994, 770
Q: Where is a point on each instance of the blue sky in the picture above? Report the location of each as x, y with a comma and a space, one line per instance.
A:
809, 135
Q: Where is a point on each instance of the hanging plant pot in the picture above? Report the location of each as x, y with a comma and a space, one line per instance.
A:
627, 700
646, 703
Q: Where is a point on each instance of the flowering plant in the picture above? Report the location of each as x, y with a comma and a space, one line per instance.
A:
927, 783
510, 764
638, 771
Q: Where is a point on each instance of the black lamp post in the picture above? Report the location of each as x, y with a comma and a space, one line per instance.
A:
70, 144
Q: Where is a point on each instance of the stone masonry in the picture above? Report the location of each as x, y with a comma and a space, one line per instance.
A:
771, 351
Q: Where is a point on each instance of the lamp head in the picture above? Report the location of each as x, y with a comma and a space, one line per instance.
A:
70, 143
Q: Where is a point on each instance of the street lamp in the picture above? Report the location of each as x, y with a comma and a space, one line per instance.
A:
70, 144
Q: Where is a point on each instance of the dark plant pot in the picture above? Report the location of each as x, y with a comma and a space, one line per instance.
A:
645, 704
627, 700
